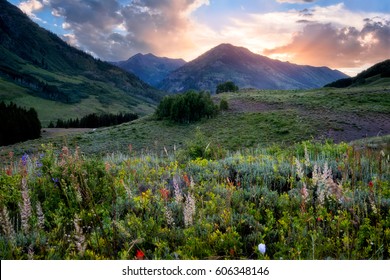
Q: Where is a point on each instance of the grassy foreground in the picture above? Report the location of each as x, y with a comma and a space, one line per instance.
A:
310, 201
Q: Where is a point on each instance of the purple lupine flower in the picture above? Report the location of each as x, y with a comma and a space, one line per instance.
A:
24, 159
55, 181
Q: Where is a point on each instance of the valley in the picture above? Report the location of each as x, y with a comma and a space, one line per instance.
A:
292, 165
254, 118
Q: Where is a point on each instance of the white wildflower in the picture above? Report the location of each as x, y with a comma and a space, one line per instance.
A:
299, 168
189, 210
307, 158
79, 237
177, 191
169, 216
41, 216
25, 207
262, 248
5, 223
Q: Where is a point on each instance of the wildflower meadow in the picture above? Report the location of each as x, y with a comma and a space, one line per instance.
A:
308, 201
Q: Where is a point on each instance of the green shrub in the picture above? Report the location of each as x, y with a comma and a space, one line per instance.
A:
223, 105
186, 108
226, 87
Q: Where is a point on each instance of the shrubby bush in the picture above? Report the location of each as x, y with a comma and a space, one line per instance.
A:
186, 108
223, 105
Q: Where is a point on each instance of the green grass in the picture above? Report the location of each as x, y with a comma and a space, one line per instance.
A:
232, 131
357, 99
262, 118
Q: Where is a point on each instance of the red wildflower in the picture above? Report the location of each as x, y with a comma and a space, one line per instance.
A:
9, 171
319, 219
187, 180
371, 185
164, 193
139, 255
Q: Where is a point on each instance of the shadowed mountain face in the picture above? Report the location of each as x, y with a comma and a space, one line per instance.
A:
150, 68
45, 67
247, 70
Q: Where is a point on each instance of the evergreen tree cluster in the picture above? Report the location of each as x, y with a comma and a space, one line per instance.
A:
18, 124
186, 108
226, 87
94, 121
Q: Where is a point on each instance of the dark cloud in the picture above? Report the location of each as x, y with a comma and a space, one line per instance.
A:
304, 21
114, 32
324, 44
306, 13
92, 23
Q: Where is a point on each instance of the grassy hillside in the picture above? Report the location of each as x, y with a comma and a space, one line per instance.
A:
255, 118
378, 74
38, 69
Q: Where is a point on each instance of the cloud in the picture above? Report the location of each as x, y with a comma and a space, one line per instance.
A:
162, 26
30, 6
319, 35
325, 44
113, 31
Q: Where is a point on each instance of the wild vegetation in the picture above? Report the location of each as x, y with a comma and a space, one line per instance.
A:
211, 189
309, 201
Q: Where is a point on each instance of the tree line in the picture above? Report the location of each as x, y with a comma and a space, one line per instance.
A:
94, 120
18, 124
186, 108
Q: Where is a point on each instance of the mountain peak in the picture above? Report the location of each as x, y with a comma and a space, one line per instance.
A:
246, 69
149, 67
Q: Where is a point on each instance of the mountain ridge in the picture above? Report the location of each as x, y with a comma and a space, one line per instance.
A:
378, 73
249, 70
149, 67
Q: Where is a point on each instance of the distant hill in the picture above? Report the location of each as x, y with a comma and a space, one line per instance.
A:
247, 70
150, 68
375, 75
39, 69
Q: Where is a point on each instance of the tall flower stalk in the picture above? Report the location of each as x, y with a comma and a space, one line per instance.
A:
25, 207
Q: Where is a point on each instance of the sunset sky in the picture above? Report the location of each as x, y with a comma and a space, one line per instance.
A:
348, 35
